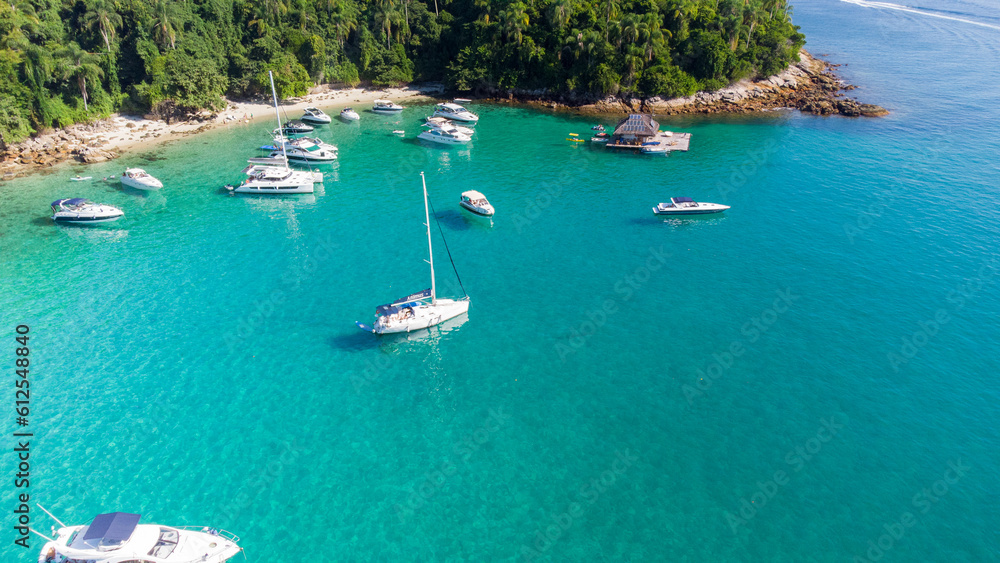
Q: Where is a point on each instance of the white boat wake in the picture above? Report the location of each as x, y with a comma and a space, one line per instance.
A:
891, 6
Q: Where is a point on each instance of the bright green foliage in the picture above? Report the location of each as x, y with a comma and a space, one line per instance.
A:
74, 60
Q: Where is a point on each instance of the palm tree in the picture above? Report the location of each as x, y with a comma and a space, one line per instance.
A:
514, 21
75, 62
344, 18
102, 15
163, 25
560, 12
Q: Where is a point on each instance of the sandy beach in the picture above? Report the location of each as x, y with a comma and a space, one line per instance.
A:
109, 138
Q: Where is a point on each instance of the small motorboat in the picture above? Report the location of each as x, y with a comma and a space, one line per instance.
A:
295, 127
600, 138
386, 106
399, 132
83, 211
315, 115
138, 178
461, 100
688, 206
449, 136
477, 203
455, 112
348, 114
444, 123
79, 178
597, 127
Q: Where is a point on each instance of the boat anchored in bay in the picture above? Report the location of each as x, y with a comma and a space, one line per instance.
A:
688, 206
422, 309
117, 537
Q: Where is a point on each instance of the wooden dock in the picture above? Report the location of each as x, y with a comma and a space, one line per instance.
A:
672, 142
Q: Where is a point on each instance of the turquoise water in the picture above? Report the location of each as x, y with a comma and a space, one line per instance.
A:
624, 384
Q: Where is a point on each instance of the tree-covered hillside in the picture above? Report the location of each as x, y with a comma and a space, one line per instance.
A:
68, 61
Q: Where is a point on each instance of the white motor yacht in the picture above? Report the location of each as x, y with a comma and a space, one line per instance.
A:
83, 211
444, 123
688, 206
422, 309
315, 115
455, 112
477, 203
305, 149
138, 178
450, 136
385, 106
117, 537
348, 114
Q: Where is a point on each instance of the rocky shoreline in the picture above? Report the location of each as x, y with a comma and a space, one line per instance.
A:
809, 85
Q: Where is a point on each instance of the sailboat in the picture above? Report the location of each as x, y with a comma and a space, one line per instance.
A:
272, 175
422, 309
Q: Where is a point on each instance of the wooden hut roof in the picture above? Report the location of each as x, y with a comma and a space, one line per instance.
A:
637, 124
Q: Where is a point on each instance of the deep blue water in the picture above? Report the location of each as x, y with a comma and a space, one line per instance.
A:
782, 383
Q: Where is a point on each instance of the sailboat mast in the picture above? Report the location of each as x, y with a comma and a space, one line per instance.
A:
430, 251
281, 134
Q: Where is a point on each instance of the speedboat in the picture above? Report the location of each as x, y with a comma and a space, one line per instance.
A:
419, 310
385, 106
600, 138
295, 127
455, 112
450, 136
688, 206
597, 127
315, 115
138, 178
305, 149
117, 537
348, 114
79, 178
476, 203
444, 123
83, 211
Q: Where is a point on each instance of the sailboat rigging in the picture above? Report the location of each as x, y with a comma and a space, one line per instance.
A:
422, 309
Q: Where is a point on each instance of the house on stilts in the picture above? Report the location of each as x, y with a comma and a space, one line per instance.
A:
642, 132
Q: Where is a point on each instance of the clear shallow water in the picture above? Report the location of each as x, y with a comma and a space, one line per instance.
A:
197, 361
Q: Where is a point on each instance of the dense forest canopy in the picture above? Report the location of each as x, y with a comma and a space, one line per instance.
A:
69, 61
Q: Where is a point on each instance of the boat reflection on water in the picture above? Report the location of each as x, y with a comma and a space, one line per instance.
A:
95, 233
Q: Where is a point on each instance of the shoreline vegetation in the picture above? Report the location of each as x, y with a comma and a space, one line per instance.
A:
809, 85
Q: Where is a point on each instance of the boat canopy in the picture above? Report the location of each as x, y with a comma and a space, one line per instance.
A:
473, 195
71, 201
681, 200
452, 107
110, 529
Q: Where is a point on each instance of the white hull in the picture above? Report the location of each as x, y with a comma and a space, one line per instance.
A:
350, 116
424, 316
434, 136
142, 181
271, 189
189, 546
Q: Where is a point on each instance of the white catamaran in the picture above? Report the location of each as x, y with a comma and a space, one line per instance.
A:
420, 310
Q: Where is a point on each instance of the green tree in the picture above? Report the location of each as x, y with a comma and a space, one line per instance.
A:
76, 63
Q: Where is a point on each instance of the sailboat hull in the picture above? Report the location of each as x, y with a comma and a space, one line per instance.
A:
424, 316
